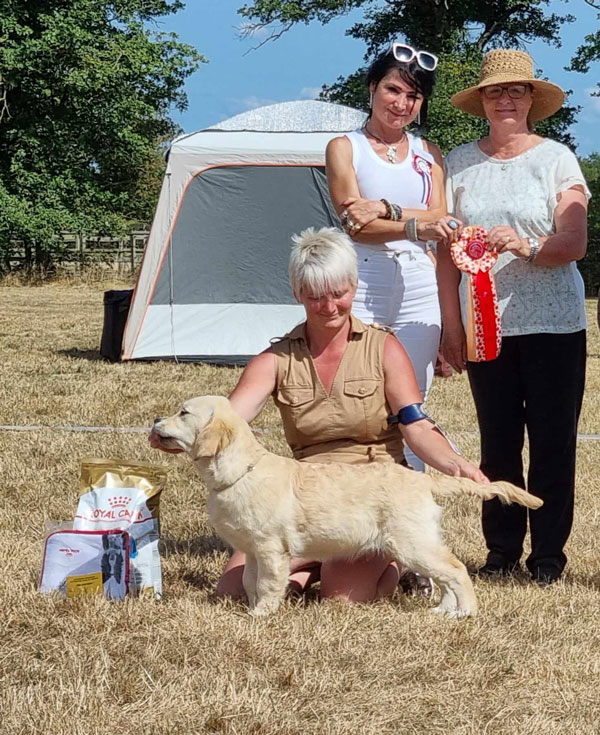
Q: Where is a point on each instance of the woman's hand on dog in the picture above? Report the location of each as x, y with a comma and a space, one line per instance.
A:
460, 467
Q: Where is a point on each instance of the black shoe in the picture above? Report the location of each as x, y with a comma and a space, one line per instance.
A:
499, 569
545, 576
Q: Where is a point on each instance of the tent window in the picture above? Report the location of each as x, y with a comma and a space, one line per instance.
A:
231, 240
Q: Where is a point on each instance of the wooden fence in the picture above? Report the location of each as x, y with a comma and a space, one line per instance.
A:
122, 255
80, 251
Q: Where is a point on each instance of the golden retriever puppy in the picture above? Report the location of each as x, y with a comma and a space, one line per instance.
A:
274, 508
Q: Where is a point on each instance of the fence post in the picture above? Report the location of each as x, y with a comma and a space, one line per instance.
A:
81, 247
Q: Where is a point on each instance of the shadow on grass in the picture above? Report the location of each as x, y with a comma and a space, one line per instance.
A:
519, 577
591, 581
177, 581
200, 581
91, 355
523, 578
196, 546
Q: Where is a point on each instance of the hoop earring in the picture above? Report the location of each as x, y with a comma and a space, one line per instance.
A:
418, 121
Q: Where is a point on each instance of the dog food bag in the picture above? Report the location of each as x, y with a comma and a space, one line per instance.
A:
125, 496
86, 563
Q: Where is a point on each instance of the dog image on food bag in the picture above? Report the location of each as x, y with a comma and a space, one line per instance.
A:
113, 567
273, 508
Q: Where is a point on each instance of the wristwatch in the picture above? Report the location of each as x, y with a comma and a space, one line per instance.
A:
534, 248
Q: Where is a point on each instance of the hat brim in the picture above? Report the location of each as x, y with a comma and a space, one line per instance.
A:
547, 97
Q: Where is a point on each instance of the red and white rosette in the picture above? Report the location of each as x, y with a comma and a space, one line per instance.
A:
484, 326
423, 167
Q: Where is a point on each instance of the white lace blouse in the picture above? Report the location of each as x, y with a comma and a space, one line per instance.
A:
521, 192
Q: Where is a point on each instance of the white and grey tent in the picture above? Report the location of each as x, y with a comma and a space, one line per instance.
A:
213, 284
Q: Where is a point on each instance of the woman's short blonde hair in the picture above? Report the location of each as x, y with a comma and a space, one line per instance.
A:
322, 261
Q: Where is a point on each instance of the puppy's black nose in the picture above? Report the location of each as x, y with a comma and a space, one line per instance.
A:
157, 420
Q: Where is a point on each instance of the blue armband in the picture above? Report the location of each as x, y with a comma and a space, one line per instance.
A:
407, 415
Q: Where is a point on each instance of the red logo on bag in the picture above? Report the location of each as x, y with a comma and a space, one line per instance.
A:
114, 509
119, 501
69, 552
475, 249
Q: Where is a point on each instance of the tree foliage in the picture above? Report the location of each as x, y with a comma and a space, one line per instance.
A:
585, 55
86, 92
590, 265
434, 24
459, 31
589, 50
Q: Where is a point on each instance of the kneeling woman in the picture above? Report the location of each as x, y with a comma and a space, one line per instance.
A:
335, 381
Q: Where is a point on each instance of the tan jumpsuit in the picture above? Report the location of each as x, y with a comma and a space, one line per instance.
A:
350, 423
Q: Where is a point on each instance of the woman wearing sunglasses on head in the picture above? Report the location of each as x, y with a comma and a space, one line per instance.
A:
387, 185
528, 192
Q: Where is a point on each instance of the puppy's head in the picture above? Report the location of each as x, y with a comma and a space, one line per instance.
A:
202, 427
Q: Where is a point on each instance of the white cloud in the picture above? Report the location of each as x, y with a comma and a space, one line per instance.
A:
593, 101
252, 102
309, 93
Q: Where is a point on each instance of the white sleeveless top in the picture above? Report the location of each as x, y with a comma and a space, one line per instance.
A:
408, 183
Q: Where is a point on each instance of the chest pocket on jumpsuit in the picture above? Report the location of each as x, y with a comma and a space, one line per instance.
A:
294, 397
362, 399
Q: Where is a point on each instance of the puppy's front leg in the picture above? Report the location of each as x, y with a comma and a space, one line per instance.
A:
273, 571
249, 579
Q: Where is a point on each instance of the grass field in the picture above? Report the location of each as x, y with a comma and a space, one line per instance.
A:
529, 663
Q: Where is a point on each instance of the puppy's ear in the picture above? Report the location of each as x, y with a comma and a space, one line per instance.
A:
213, 439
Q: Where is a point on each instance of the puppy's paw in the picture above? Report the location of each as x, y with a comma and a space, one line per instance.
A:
258, 612
263, 608
454, 612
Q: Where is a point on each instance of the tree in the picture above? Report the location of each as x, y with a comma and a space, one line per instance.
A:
434, 24
589, 51
86, 88
590, 265
458, 31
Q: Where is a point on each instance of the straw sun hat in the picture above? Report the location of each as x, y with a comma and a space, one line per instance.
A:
503, 66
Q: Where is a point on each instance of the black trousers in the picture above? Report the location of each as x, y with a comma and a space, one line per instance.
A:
536, 383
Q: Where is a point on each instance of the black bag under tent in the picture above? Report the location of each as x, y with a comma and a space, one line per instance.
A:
116, 309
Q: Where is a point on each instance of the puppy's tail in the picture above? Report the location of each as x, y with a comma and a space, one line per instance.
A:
505, 491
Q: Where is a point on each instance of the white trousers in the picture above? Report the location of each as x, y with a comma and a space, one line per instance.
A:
399, 290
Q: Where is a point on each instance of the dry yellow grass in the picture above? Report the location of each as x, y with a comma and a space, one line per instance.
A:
529, 663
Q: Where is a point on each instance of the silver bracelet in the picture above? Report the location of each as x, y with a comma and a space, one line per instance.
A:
411, 229
534, 249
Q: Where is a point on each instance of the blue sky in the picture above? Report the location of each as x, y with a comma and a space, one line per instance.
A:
297, 64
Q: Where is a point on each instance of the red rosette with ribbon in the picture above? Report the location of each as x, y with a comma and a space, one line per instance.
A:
484, 326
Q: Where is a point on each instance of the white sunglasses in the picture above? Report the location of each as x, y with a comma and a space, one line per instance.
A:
405, 54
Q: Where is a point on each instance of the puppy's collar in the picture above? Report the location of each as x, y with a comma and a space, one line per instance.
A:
249, 468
